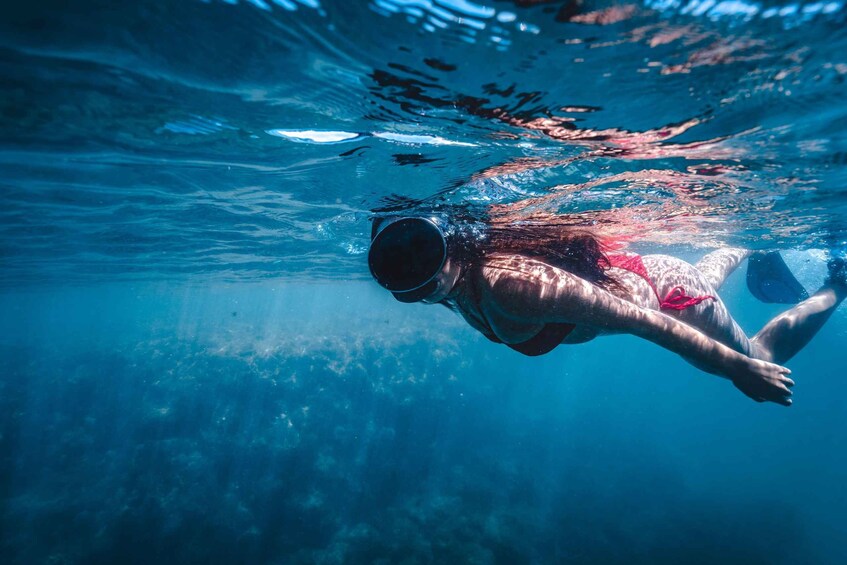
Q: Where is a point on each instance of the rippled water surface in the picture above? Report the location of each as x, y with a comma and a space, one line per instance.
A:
242, 140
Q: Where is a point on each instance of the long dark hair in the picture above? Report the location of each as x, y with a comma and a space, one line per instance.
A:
567, 247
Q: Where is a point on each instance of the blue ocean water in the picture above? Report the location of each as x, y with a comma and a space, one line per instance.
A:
195, 366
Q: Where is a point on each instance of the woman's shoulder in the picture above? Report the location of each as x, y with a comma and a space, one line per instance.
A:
511, 275
520, 265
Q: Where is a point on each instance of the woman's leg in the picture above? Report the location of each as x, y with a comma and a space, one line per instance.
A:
788, 333
781, 338
718, 265
710, 316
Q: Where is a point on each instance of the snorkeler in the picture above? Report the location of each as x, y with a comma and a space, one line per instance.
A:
533, 287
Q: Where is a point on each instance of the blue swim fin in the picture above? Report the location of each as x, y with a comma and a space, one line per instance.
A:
837, 270
770, 280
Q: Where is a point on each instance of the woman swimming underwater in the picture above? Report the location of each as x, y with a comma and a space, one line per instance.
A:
533, 287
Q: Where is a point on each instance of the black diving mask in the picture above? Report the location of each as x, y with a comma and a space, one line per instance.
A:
407, 255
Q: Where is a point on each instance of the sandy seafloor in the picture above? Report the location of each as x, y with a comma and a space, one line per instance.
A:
325, 423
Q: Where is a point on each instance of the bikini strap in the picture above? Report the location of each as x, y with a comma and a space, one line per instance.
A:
675, 299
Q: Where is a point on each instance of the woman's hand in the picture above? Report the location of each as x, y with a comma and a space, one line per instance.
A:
762, 381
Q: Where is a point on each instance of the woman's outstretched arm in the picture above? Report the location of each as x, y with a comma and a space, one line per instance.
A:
530, 291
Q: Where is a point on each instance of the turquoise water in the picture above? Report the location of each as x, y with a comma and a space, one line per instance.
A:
195, 366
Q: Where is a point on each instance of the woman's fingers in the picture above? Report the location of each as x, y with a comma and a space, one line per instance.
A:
781, 389
784, 390
783, 395
766, 382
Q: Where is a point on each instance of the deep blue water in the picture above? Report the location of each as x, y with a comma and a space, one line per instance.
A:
196, 368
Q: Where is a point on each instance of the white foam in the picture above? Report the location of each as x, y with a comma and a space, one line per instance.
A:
419, 139
314, 136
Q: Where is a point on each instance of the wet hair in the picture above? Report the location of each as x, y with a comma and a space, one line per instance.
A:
572, 249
